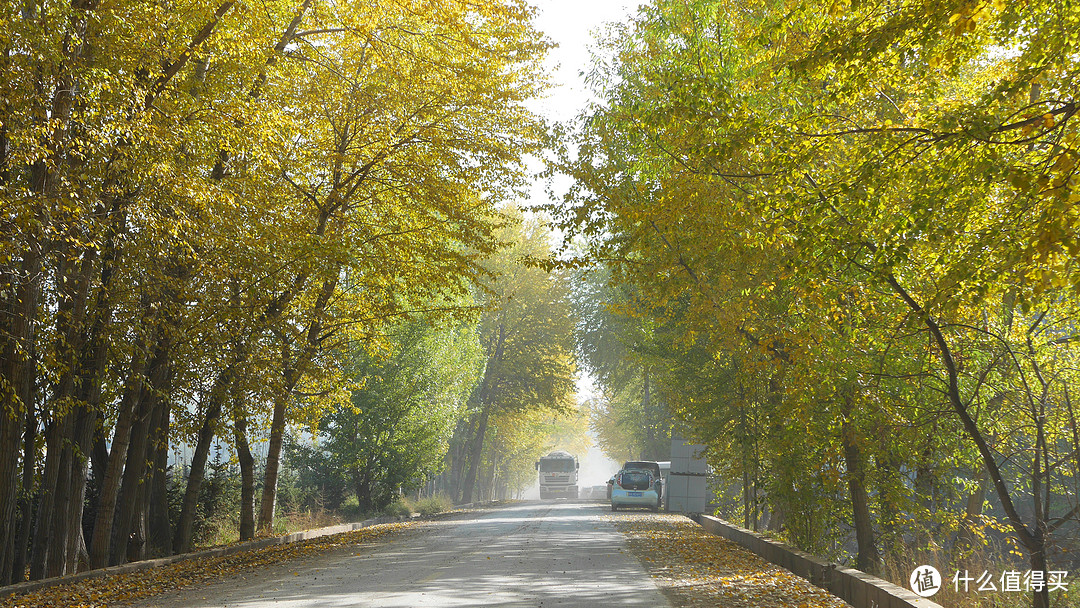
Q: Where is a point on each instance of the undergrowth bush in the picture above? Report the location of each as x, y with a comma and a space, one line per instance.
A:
402, 507
434, 504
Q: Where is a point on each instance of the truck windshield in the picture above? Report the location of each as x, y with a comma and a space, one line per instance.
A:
557, 466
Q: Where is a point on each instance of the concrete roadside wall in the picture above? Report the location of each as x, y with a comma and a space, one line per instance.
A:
855, 587
251, 545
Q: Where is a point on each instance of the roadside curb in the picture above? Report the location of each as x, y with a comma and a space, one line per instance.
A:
244, 547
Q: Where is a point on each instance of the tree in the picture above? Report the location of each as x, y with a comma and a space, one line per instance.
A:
200, 204
394, 433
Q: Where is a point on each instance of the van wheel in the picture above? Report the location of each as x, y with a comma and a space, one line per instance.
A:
614, 508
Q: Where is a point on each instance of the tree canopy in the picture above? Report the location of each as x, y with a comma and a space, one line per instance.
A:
854, 221
203, 203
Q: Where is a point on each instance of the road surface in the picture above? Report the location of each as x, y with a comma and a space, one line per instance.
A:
539, 555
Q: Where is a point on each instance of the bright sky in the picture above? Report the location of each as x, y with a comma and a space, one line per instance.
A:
570, 24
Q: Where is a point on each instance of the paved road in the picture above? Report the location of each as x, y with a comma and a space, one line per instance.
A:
532, 554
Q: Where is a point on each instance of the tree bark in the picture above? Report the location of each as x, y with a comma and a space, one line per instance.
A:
476, 445
54, 437
160, 528
85, 424
291, 373
476, 450
56, 557
134, 476
17, 371
273, 462
10, 411
462, 432
970, 428
135, 549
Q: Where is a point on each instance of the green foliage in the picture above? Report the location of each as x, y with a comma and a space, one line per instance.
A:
630, 417
394, 433
527, 333
306, 482
527, 328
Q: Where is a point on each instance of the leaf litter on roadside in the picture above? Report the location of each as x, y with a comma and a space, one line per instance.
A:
114, 589
694, 568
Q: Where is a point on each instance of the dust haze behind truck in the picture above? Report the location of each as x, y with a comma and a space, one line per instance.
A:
558, 474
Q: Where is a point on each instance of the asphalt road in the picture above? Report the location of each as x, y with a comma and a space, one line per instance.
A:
530, 554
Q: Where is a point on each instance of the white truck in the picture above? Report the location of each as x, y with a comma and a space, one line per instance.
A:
558, 473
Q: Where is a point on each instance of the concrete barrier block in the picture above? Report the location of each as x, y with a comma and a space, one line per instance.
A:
857, 588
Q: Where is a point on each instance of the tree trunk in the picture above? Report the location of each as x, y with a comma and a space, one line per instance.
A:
218, 393
362, 485
137, 540
489, 477
160, 377
9, 490
85, 425
151, 417
1033, 541
476, 450
58, 525
462, 432
1037, 549
273, 462
247, 473
50, 558
26, 519
110, 483
185, 527
55, 434
160, 528
476, 445
133, 477
867, 559
17, 371
291, 373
